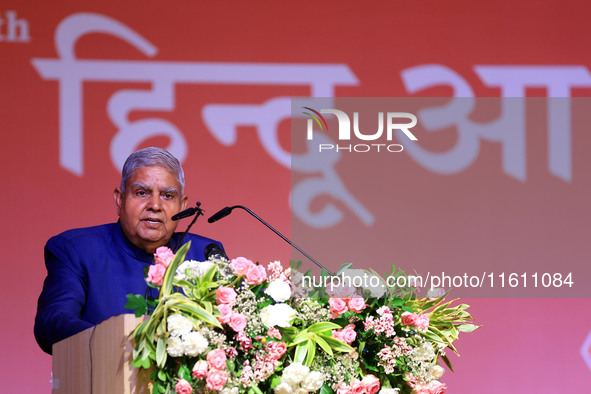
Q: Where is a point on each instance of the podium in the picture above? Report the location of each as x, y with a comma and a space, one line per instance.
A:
98, 361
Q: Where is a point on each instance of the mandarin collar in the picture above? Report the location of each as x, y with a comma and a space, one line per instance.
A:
129, 248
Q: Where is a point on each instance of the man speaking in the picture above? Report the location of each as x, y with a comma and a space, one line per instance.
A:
91, 270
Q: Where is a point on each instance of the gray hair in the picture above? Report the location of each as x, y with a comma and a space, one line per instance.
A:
149, 157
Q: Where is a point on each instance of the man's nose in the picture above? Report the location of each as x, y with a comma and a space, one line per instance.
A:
154, 203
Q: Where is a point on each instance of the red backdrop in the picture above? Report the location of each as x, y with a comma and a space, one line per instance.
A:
82, 86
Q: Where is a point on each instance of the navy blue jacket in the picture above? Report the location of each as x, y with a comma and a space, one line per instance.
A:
89, 273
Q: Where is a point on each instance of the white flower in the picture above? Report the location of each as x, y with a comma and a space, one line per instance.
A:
295, 373
284, 388
313, 382
194, 343
296, 277
174, 347
233, 390
389, 391
366, 280
279, 290
196, 269
436, 292
437, 372
179, 325
277, 315
424, 352
301, 390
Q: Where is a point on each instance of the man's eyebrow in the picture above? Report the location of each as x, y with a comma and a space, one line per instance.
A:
141, 186
171, 189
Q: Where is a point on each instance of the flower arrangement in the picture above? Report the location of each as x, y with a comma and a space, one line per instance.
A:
238, 327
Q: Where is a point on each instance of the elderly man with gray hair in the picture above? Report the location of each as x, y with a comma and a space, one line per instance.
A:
91, 270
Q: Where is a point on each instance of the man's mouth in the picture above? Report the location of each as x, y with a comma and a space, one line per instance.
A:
152, 221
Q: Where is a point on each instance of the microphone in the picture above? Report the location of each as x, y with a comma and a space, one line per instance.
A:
214, 251
185, 214
222, 213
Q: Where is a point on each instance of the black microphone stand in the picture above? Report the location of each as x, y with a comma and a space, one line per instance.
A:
199, 212
226, 211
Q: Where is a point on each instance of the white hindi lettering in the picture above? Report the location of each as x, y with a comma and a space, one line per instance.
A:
509, 129
223, 120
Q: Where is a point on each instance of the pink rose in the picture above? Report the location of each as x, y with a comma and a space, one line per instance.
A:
337, 306
183, 387
356, 304
155, 274
422, 322
372, 384
421, 389
436, 387
337, 335
237, 322
217, 359
348, 334
226, 313
163, 256
274, 333
408, 318
411, 380
276, 349
357, 387
200, 369
216, 379
225, 295
343, 388
255, 275
241, 265
340, 291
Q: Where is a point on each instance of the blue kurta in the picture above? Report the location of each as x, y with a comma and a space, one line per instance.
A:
89, 273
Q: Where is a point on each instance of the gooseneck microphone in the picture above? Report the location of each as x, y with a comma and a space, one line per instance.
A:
185, 214
222, 213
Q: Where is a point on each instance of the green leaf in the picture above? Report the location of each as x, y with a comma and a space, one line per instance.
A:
467, 327
323, 326
295, 264
194, 309
256, 390
137, 363
137, 303
343, 267
311, 352
185, 373
337, 345
158, 388
162, 375
323, 344
168, 279
161, 353
397, 302
146, 363
447, 362
301, 337
300, 353
208, 277
325, 389
275, 380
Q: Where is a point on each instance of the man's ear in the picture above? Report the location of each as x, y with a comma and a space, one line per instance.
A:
117, 196
184, 201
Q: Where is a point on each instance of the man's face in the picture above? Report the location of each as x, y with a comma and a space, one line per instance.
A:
152, 196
